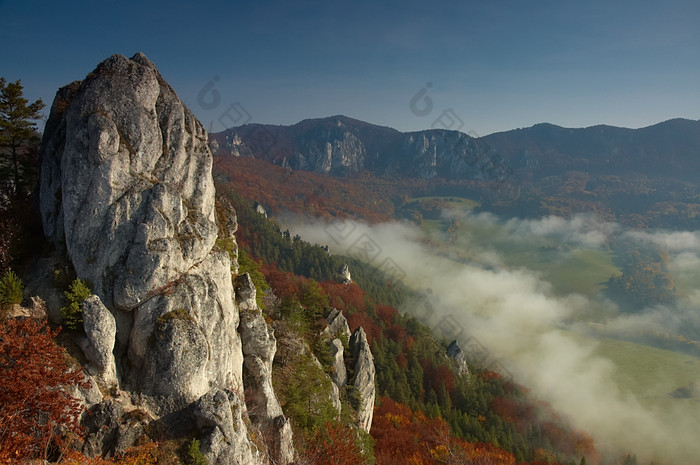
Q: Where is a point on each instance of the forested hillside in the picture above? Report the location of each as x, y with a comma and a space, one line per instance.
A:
432, 409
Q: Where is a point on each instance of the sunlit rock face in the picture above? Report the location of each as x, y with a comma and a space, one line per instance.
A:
126, 181
127, 192
364, 377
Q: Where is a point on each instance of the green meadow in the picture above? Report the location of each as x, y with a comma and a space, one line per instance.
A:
648, 373
569, 268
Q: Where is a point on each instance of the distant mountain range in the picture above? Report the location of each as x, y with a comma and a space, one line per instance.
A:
641, 177
670, 148
341, 145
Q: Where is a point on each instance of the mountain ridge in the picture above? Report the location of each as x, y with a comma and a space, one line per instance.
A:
669, 147
340, 145
554, 125
641, 177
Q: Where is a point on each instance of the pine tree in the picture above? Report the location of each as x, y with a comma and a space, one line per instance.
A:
18, 139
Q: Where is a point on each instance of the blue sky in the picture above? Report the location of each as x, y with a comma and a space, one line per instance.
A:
498, 65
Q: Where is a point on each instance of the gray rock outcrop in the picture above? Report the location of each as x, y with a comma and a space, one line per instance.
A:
89, 393
363, 380
334, 149
260, 210
183, 340
455, 352
227, 218
339, 373
337, 328
343, 275
219, 415
100, 335
104, 421
452, 154
127, 192
41, 281
337, 325
113, 426
127, 189
334, 398
36, 309
360, 356
259, 347
126, 181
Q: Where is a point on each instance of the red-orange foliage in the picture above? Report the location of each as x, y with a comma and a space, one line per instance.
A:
361, 196
400, 435
335, 445
489, 375
372, 330
306, 192
350, 298
402, 361
403, 436
346, 297
522, 414
150, 453
387, 314
397, 333
35, 408
285, 284
571, 442
444, 375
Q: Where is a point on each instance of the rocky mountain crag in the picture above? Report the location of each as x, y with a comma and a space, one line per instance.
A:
362, 381
127, 193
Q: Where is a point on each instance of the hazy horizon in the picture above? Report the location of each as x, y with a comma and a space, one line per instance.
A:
464, 131
496, 66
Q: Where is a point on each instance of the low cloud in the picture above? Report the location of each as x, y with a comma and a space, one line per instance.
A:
672, 241
685, 263
524, 327
682, 318
585, 230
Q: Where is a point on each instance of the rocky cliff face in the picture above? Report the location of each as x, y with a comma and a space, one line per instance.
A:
362, 365
259, 347
127, 192
340, 145
451, 155
125, 181
325, 150
363, 380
